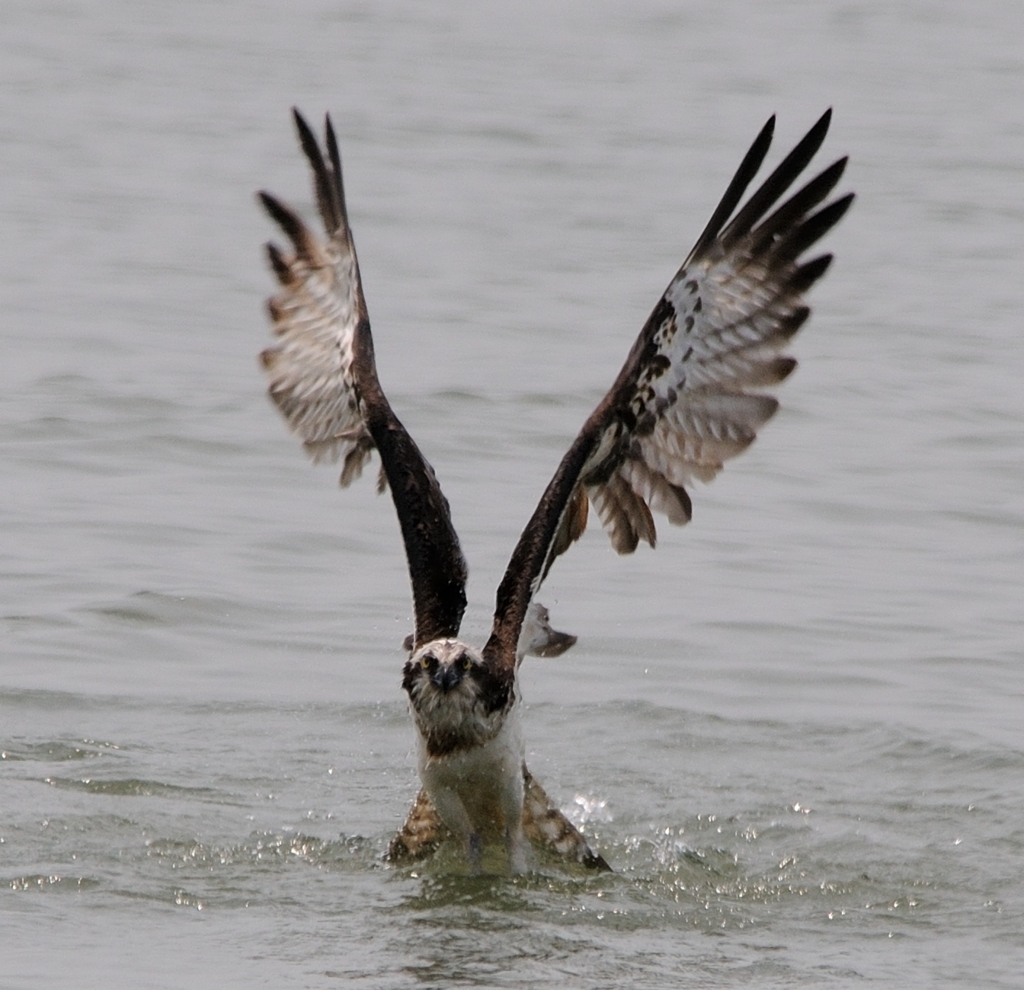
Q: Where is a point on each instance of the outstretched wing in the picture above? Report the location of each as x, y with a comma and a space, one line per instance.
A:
689, 395
323, 379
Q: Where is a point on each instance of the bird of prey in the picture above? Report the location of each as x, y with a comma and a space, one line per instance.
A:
689, 396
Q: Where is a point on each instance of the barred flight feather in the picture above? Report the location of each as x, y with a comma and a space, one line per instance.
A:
689, 397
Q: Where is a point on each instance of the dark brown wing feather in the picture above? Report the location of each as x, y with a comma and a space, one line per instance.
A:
323, 379
688, 397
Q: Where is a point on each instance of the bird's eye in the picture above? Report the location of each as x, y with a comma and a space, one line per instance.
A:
427, 661
467, 661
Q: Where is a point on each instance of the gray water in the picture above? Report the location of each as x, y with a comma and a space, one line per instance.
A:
795, 730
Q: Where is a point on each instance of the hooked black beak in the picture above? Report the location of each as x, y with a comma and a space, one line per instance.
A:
445, 678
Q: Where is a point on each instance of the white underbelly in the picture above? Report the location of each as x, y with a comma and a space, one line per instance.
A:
486, 780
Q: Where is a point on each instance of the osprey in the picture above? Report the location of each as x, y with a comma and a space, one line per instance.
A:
689, 396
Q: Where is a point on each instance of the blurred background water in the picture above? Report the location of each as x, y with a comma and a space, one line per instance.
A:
794, 730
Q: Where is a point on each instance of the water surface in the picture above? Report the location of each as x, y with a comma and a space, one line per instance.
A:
794, 730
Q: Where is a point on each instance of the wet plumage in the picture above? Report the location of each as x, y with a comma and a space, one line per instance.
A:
689, 397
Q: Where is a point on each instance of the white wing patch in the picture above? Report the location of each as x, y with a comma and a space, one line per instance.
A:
689, 396
728, 331
694, 401
310, 369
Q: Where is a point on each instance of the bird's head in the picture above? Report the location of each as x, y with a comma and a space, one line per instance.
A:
441, 668
452, 691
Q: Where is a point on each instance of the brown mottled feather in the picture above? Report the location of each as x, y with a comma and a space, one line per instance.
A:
687, 398
421, 834
543, 824
323, 379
